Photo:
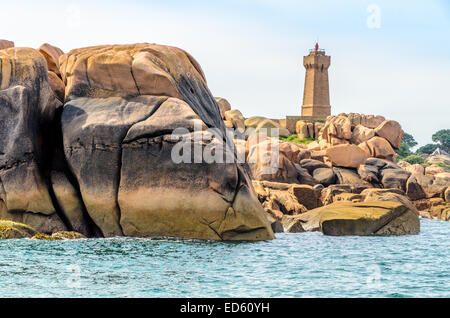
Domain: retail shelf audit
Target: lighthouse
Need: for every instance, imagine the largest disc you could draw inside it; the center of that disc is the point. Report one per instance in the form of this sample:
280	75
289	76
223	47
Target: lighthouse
316	94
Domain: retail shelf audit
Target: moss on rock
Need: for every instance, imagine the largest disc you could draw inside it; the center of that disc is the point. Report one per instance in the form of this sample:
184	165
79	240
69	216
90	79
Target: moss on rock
15	230
66	235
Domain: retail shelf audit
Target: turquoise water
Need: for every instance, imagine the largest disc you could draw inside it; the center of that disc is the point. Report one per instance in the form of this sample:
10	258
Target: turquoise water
294	265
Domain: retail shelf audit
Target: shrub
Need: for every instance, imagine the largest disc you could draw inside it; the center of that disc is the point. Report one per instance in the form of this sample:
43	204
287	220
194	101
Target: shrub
413	159
294	138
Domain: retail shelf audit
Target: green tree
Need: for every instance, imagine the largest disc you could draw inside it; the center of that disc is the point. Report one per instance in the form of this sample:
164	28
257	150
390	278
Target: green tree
409	140
427	149
403	151
443	138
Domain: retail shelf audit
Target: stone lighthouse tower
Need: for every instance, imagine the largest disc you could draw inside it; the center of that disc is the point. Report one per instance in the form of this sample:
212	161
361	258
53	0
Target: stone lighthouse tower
316	96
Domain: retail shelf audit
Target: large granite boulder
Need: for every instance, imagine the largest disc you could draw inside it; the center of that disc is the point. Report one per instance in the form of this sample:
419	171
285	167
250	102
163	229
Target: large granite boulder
396	195
108	163
5	44
363	218
361	134
28	110
51	54
415	168
349	156
395	178
420	186
268	162
379	148
311	165
325	176
224	106
368	121
122	104
349	176
236	118
338	127
391	131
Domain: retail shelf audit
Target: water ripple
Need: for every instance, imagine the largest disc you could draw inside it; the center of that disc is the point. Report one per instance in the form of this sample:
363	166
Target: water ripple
294	265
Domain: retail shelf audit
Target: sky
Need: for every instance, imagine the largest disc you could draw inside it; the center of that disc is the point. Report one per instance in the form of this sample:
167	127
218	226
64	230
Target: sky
389	58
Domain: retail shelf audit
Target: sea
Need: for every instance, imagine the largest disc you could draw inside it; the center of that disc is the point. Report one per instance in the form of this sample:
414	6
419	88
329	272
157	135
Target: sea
292	265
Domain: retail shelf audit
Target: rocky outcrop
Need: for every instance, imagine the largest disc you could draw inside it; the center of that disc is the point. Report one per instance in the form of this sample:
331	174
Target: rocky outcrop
439	159
271	128
106	163
428	188
15	230
224	106
28	108
5	44
378	147
270	159
365	218
349	156
236	118
305	129
51	54
391	131
361	134
58	236
373	134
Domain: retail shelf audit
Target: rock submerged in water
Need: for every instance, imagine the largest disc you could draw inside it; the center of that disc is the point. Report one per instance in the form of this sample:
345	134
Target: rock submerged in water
58	236
363	218
15	230
101	163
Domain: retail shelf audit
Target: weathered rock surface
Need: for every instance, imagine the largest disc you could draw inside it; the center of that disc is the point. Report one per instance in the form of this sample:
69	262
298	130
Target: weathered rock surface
311	165
28	108
395	195
271	128
368	121
236	118
51	54
415	169
154	197
439	159
349	156
349	176
338	127
361	134
365	218
433	170
15	230
108	165
420	186
224	106
379	148
267	162
391	131
324	176
57	86
5	44
395	178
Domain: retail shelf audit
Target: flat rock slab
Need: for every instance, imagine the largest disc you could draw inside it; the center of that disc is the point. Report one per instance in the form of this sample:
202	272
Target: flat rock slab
363	218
